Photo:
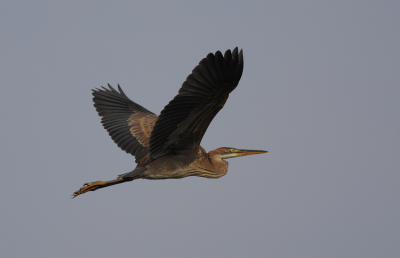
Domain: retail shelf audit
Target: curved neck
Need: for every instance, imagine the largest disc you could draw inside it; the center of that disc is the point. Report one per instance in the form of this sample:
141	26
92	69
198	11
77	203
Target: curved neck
216	166
207	165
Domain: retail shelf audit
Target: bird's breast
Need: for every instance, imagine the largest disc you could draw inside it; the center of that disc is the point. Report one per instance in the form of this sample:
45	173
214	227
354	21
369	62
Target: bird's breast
164	173
164	168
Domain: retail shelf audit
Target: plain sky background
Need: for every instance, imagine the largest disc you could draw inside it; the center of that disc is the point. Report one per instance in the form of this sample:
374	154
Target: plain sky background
320	91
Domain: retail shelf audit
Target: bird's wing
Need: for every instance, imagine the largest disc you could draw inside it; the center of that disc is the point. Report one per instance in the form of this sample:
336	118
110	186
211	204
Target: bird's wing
128	123
183	122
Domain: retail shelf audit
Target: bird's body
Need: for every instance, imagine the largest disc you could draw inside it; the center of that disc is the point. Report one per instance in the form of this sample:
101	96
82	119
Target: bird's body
168	146
175	166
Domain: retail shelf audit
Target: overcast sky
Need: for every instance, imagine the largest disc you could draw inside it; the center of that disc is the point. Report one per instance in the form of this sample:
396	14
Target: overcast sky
320	91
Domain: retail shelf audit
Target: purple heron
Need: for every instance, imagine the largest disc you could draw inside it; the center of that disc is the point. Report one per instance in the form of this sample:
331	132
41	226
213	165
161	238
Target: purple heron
168	145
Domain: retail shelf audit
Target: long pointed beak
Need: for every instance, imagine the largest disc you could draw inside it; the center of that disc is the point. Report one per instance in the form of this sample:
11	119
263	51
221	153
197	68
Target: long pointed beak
248	152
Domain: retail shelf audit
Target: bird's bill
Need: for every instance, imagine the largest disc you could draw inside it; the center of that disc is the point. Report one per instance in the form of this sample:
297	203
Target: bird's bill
248	152
233	153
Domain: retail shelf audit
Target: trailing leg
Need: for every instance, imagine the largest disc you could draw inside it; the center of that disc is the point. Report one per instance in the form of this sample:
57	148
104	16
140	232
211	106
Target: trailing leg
93	186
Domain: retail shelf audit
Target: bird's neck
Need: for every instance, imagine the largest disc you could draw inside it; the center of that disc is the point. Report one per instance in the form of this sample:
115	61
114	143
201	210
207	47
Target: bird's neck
217	166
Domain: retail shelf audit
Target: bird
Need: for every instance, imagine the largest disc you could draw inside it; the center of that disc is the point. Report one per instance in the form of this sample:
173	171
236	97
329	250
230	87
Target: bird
168	146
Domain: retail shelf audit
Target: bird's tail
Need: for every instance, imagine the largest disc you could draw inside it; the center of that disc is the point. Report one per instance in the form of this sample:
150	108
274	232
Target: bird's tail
133	174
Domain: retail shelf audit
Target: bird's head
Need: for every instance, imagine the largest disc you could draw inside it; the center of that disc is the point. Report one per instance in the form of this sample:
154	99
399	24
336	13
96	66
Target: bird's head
227	152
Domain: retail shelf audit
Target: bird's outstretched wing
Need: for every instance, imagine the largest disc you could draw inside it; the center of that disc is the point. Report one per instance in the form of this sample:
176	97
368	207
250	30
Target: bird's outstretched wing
183	122
128	123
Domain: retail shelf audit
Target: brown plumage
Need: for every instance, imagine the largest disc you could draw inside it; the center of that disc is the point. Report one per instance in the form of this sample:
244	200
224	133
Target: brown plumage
168	146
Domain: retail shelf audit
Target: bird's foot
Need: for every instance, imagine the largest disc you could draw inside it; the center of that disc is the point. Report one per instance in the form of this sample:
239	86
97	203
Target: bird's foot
88	187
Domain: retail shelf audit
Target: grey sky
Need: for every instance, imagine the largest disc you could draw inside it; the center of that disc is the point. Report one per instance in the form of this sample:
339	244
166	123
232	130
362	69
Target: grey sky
320	91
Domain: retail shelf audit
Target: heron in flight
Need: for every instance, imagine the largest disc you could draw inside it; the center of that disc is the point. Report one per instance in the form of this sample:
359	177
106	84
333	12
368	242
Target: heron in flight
168	145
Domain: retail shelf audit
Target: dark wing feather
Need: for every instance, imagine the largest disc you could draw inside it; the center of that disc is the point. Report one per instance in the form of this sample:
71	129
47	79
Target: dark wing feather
128	123
183	122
